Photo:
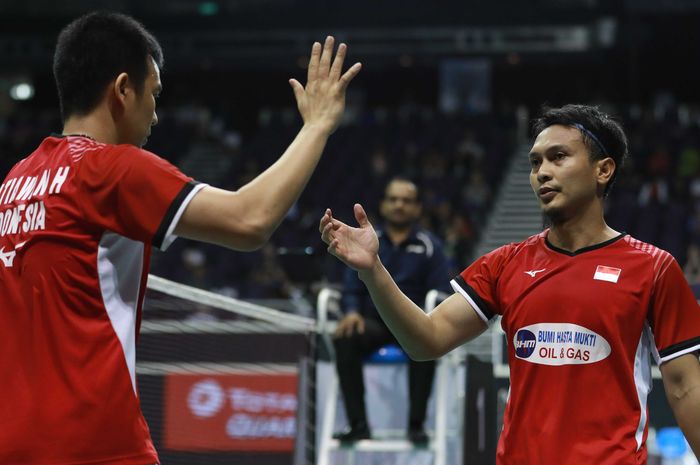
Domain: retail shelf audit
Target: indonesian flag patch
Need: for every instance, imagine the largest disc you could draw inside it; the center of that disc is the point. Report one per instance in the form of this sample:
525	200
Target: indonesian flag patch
607	273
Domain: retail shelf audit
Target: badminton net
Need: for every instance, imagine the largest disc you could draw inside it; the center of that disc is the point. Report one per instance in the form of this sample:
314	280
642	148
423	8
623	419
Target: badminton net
224	381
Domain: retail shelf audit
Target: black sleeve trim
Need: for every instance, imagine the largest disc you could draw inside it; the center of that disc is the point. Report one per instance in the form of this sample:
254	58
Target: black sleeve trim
483	307
681	346
172	211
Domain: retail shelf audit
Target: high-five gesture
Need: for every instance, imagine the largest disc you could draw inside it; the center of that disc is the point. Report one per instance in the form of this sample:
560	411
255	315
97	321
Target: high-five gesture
322	101
356	247
245	220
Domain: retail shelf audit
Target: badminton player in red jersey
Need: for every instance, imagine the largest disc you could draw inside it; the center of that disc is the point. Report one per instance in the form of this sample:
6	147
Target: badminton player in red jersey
78	218
584	309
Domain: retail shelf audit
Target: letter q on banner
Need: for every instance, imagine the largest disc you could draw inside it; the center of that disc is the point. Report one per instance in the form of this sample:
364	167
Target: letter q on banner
233	412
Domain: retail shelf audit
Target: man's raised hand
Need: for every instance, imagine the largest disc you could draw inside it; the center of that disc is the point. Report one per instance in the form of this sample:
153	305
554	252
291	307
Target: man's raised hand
322	101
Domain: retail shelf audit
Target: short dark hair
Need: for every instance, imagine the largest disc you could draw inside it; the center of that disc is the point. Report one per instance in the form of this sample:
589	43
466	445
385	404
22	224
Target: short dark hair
92	51
608	132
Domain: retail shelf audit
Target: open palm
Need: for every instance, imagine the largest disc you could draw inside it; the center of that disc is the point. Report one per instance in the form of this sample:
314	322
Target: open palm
356	247
322	101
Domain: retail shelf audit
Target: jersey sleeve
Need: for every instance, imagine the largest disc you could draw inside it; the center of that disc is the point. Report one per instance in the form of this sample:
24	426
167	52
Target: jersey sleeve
674	315
135	193
478	283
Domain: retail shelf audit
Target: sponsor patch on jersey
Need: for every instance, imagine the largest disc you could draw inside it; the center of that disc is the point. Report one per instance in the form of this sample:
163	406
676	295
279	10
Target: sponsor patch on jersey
559	344
607	273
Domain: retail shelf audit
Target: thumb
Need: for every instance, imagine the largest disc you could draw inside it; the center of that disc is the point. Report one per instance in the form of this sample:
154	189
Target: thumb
297	88
361	216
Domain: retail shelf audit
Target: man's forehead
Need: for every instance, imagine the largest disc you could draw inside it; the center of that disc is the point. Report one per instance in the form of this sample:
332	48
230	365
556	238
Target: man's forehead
556	135
401	187
153	69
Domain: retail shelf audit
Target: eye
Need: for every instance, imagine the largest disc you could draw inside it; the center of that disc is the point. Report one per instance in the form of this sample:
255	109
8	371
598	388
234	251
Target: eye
559	155
534	162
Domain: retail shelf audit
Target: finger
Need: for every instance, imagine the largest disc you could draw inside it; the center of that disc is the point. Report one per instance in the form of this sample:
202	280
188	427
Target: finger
361	216
333	248
312	72
325	61
324	220
349	75
326	233
361	327
337	66
297	88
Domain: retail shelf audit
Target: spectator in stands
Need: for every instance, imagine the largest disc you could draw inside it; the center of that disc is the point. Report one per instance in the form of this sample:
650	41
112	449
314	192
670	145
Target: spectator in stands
415	258
268	279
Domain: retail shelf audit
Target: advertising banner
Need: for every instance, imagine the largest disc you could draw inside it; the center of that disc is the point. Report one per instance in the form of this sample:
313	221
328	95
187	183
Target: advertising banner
232	412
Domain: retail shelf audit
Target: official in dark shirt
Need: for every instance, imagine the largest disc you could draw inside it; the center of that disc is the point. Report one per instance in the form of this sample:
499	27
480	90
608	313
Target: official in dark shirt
415	259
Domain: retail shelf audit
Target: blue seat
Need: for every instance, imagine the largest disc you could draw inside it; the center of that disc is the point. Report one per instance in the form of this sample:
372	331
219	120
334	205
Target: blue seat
388	354
671	442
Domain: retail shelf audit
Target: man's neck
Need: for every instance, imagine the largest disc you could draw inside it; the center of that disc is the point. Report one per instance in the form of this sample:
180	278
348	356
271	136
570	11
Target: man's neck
580	232
397	235
97	125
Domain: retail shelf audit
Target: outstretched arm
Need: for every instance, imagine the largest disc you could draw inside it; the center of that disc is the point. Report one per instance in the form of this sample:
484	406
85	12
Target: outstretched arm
245	219
682	384
422	336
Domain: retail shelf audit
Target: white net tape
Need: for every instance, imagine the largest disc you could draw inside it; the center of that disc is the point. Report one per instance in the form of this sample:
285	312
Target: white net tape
229	304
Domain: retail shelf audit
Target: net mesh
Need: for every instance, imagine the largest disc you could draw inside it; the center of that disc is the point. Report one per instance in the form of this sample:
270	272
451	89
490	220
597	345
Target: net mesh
224	381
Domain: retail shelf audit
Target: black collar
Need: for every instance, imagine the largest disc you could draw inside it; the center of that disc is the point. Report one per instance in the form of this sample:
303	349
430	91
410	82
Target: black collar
584	249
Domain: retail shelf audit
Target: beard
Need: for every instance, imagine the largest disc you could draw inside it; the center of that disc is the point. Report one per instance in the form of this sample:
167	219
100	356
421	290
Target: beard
400	223
553	216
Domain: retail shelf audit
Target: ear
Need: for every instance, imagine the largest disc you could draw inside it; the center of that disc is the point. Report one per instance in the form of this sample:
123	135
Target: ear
605	169
382	207
419	209
121	88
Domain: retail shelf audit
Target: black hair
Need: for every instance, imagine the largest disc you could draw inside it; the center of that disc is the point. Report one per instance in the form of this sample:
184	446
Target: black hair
601	134
92	51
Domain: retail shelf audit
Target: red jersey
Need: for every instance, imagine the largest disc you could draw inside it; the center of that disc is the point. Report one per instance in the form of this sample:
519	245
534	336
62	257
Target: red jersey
77	219
581	329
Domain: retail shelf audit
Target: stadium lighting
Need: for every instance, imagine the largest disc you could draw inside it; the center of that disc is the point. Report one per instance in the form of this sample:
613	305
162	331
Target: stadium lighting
208	8
22	91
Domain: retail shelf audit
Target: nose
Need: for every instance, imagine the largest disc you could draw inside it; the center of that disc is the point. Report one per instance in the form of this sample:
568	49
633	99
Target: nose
543	173
154	121
543	177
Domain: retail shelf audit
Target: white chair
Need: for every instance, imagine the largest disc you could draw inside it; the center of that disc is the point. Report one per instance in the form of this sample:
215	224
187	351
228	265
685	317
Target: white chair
326	302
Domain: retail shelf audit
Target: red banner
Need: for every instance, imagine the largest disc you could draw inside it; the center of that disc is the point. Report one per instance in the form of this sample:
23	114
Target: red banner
255	413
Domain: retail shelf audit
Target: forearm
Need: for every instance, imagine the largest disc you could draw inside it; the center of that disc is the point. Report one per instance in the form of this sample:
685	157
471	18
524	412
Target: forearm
408	322
269	196
685	403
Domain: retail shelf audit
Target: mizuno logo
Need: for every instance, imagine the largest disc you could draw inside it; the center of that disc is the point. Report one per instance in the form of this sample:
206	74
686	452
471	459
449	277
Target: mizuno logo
7	257
533	273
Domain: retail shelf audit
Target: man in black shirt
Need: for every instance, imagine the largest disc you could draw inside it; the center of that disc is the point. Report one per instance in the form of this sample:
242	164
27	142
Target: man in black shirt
415	259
